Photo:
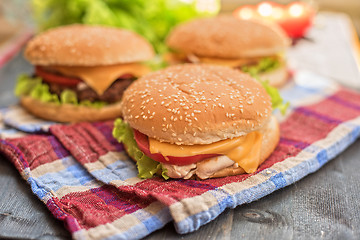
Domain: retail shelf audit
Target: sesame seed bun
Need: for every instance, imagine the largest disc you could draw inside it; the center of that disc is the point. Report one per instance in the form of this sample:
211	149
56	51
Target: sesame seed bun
69	113
228	37
196	104
83	45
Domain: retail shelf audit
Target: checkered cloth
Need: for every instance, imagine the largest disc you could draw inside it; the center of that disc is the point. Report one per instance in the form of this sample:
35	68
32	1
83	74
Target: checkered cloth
86	180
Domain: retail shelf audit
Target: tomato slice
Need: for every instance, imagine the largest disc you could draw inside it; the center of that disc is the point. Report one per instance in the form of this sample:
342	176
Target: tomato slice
143	143
54	78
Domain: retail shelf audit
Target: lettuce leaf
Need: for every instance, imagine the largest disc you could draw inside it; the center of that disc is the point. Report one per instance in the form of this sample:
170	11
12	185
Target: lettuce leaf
146	166
34	87
266	64
276	99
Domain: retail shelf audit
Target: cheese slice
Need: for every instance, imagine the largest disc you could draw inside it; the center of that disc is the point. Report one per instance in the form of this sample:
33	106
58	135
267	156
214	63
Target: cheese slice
99	78
245	150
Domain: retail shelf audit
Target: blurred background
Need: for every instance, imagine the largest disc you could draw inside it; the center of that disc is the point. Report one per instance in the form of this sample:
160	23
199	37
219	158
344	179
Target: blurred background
350	7
19	19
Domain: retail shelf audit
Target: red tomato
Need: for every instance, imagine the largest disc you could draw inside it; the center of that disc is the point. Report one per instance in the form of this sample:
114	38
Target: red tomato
54	78
143	143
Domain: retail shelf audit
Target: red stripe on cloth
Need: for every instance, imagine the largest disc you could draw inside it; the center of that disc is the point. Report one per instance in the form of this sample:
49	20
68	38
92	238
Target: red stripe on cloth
38	150
102	205
168	192
70	221
305	128
106	129
85	142
348	96
336	109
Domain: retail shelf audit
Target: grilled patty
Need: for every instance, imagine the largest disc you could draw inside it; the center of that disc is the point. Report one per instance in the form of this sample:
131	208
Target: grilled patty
83	92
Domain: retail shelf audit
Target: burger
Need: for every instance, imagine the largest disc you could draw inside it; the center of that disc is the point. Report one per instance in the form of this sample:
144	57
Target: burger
255	47
197	121
81	72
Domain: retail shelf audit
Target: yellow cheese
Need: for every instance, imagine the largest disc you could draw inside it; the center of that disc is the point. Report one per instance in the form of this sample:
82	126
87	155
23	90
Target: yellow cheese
245	151
99	78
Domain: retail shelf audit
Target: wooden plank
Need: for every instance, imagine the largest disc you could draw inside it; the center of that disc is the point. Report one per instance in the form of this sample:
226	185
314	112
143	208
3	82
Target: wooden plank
22	215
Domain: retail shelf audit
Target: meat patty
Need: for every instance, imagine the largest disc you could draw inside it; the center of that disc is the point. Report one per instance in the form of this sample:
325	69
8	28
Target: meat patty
83	92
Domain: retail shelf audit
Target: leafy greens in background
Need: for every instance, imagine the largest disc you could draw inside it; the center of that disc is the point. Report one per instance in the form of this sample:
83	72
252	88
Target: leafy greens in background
152	19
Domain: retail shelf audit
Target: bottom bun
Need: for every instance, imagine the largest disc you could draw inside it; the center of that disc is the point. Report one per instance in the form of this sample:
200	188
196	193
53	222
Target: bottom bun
68	113
277	77
271	137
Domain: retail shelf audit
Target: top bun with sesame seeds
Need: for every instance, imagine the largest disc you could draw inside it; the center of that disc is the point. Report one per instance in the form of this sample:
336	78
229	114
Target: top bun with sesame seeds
196	104
83	45
81	72
237	43
198	120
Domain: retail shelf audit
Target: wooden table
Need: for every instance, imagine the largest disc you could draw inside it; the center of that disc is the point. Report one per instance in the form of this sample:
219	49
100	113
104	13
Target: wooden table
323	205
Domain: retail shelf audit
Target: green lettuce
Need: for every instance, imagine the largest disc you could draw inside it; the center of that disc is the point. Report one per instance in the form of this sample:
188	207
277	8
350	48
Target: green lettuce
276	99
266	64
146	166
151	19
34	87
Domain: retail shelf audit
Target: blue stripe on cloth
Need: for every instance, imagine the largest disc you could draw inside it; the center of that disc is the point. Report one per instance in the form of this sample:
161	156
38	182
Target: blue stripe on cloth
298	93
8	131
149	223
322	157
18	118
38	188
278	180
119	170
72	175
275	182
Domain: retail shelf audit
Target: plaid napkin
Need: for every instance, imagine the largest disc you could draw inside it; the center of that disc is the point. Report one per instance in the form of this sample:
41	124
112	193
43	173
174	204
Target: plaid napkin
85	179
